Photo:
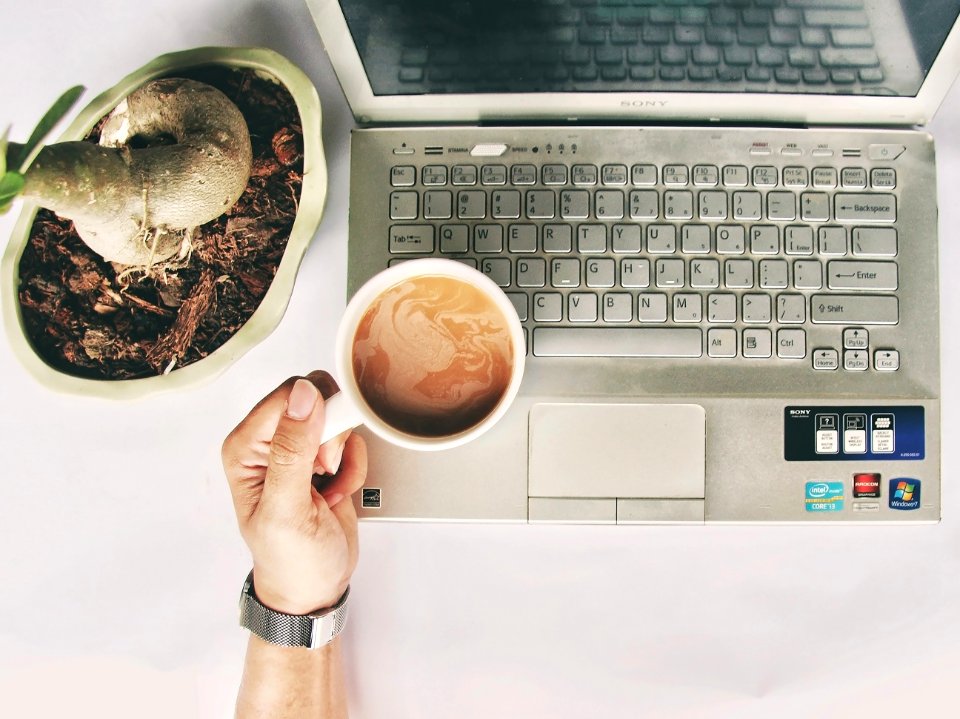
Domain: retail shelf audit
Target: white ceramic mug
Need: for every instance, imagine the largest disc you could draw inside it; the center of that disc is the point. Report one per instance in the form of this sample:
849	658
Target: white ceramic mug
431	342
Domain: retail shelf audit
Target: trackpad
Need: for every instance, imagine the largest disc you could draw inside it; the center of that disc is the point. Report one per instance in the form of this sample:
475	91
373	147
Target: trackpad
617	450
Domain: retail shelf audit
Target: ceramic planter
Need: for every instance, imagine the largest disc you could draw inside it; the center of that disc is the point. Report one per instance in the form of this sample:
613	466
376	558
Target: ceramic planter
265	63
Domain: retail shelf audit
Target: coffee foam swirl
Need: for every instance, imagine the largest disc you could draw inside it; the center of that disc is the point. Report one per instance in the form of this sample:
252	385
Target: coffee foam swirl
432	356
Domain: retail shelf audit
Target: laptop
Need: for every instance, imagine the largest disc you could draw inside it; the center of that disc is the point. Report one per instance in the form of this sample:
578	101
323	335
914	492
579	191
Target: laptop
717	221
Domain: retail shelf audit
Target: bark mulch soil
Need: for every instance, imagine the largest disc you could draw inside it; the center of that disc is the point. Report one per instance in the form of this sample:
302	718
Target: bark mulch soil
85	318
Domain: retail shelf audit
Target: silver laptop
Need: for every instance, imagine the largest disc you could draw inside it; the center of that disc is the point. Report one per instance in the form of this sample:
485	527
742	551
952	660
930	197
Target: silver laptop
717	221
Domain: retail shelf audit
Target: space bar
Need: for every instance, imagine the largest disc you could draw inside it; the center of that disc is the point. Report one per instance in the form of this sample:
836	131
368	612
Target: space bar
617	342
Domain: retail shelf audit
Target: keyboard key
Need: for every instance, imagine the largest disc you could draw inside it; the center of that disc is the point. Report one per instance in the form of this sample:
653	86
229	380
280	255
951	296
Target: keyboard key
407	239
493	175
851	275
731	240
488	238
584	174
643	174
791	309
678	205
404	205
557	238
608	204
505	204
591	239
565	273
554	174
617	307
437	205
704	273
582	307
574	204
522	238
403	176
807	275
791	344
874	242
627	239
471	204
618	342
497	269
464	175
865	207
722	308
644	204
757	343
855	309
541	204
614	175
635	273
669	273
454	239
756	309
434	175
687	308
721	342
600	273
661	239
547	307
531	272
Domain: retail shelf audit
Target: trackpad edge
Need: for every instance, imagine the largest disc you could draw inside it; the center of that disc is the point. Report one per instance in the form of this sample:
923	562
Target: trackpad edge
638	451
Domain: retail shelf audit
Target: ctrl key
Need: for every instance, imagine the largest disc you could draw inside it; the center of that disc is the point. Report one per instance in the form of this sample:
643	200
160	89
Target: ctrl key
411	239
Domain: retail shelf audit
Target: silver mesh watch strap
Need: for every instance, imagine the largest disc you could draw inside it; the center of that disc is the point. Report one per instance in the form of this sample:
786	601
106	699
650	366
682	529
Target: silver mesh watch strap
291	630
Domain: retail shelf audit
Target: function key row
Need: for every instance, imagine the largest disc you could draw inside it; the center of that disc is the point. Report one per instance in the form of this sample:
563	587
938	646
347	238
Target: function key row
645	174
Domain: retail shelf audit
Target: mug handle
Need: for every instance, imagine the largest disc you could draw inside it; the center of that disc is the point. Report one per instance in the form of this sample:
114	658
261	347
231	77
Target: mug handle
341	414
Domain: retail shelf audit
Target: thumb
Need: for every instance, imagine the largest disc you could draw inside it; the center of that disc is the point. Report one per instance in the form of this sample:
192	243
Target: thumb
293	450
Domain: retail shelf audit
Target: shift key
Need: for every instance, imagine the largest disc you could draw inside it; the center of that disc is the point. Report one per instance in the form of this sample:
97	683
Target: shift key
854	309
862	207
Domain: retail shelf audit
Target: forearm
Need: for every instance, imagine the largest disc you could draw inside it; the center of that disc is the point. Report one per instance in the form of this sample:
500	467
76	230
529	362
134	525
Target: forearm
281	682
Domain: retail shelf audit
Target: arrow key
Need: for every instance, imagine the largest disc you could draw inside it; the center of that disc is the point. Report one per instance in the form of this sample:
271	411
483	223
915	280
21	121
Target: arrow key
886	360
856	338
826	359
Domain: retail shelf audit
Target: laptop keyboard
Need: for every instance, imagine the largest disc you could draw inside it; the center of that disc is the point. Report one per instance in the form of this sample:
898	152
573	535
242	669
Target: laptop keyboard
667	259
807	45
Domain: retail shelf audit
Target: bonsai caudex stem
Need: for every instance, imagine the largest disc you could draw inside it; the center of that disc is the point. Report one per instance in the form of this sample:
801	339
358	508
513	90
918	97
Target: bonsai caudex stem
130	204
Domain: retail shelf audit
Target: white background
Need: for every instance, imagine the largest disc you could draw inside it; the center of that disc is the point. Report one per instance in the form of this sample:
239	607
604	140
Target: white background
120	563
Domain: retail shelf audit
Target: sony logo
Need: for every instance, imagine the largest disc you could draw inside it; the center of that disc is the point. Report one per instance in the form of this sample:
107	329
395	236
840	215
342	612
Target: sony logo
643	103
799	412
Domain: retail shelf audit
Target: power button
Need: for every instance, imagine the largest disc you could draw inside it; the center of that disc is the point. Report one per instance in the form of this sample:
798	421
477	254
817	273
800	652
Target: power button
885	151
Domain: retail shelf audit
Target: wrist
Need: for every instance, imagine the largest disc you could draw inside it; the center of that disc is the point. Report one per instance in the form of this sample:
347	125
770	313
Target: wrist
298	604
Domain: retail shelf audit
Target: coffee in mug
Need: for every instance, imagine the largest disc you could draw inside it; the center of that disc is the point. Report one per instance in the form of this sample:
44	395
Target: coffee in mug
429	355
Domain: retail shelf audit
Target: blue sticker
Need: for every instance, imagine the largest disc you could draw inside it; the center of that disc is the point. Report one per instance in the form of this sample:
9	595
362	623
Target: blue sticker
905	493
824	496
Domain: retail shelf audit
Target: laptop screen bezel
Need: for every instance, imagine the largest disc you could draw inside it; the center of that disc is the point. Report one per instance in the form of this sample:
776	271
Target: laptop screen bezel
797	109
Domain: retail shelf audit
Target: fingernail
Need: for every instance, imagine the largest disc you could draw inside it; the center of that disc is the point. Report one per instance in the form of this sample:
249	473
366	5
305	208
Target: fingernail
333	499
335	465
303	398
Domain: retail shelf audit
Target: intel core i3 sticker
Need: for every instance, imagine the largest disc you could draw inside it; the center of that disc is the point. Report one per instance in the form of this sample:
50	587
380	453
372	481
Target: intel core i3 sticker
824	496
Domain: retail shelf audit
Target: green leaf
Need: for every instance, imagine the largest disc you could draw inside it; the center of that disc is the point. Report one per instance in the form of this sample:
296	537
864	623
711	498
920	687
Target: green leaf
3	151
11	183
56	112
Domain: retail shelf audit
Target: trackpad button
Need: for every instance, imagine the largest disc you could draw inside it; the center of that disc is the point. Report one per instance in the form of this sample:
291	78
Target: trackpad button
617	450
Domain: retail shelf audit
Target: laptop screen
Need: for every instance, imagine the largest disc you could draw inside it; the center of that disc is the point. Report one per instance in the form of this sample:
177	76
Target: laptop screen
822	47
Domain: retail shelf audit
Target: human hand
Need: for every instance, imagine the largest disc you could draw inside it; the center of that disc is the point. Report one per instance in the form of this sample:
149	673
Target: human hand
292	496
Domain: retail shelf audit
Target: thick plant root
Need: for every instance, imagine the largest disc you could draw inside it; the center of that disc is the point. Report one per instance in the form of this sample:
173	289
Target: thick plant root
130	204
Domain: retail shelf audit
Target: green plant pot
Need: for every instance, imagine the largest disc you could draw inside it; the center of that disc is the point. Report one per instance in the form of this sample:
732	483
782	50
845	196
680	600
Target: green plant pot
264	320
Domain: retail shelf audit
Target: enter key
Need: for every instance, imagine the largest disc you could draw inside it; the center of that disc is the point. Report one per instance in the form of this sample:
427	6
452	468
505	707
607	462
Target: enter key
848	275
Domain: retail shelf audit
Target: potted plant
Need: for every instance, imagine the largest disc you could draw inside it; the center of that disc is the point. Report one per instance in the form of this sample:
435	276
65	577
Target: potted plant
152	274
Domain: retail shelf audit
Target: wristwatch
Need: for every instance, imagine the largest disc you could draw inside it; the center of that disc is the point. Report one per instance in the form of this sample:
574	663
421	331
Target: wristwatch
291	630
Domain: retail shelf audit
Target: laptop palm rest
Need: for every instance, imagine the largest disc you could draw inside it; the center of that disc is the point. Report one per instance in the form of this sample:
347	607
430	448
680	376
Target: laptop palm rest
622	451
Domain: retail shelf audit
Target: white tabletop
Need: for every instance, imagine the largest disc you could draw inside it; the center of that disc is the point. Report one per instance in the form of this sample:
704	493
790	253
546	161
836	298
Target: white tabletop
121	564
